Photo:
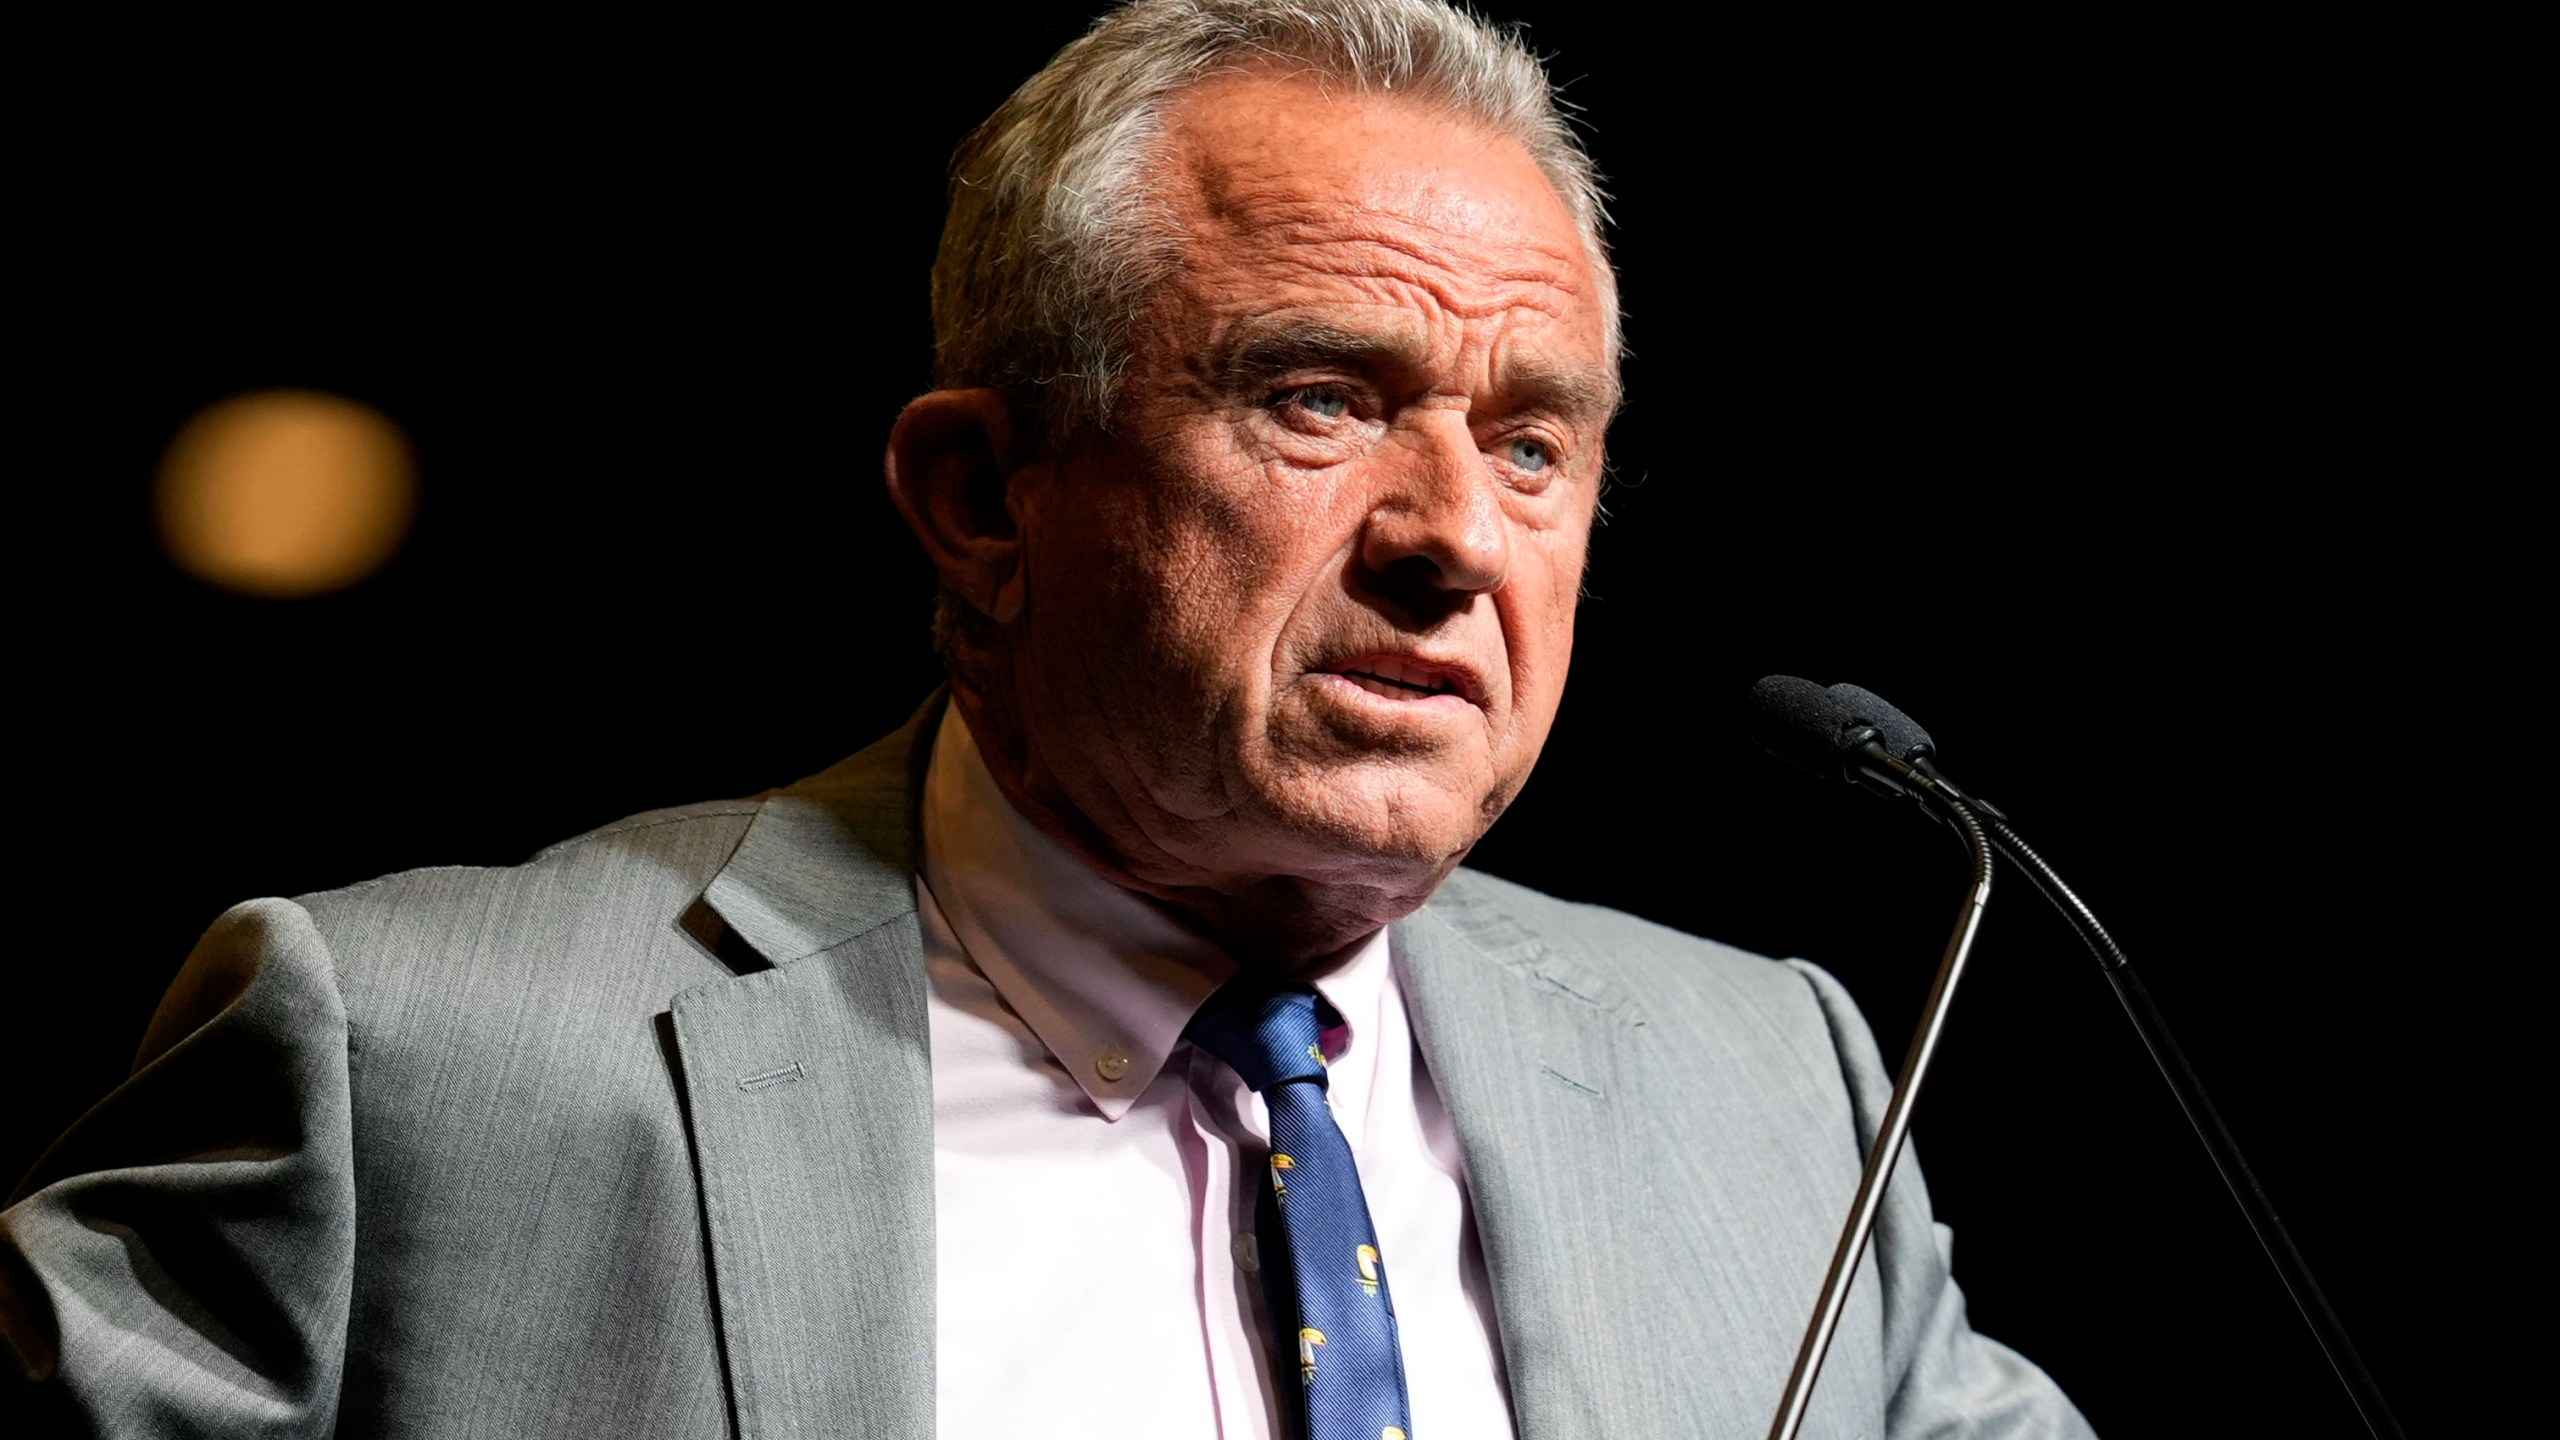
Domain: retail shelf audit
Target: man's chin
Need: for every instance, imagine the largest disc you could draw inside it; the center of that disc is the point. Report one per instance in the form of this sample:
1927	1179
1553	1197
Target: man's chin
1316	860
1374	823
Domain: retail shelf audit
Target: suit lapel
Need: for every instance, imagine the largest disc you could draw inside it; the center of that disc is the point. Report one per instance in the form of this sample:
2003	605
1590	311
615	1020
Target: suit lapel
809	1090
1654	1222
1526	1056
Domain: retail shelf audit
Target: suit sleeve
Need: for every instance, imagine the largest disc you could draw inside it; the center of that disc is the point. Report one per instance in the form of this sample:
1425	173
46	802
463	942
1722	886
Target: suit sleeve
1949	1381
180	1262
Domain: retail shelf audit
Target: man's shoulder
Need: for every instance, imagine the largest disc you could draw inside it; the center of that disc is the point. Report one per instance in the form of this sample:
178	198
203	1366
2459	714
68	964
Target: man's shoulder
1685	989
644	901
1649	958
626	865
605	907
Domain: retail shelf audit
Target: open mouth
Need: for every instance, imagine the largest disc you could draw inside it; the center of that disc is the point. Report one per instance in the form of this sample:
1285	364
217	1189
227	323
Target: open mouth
1401	679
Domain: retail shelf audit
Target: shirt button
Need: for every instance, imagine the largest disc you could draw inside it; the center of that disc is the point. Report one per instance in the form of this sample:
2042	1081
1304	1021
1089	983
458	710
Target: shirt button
1248	1255
1113	1064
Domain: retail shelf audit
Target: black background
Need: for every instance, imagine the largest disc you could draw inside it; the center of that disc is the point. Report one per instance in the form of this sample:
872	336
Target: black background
2106	392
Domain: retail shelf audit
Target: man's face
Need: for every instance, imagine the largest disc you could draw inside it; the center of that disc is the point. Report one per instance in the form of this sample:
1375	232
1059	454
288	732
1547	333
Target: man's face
1306	610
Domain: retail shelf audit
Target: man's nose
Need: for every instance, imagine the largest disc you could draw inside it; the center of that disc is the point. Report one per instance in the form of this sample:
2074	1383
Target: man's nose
1436	525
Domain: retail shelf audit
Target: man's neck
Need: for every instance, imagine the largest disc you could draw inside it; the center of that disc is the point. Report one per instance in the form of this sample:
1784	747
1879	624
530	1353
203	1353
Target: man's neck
1281	923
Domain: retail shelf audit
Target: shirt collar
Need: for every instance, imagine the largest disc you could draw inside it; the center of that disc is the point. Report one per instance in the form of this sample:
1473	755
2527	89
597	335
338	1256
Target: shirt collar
1104	978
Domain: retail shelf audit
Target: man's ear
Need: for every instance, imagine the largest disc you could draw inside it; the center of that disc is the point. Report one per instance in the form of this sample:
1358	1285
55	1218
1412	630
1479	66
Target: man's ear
951	455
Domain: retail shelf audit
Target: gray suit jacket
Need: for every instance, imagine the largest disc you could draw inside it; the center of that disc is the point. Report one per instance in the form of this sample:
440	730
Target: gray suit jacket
637	1139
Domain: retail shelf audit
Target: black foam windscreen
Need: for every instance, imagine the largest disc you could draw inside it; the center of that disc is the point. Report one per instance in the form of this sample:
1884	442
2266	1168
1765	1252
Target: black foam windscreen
1900	733
1800	723
1822	729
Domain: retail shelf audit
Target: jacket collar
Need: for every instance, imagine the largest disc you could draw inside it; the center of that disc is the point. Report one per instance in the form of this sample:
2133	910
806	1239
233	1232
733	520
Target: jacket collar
831	856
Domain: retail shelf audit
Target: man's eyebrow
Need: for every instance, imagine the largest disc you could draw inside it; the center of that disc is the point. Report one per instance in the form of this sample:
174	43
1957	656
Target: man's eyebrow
1574	394
1263	348
1259	349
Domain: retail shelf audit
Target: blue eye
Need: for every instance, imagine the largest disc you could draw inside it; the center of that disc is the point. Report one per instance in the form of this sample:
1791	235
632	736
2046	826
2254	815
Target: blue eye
1527	454
1322	401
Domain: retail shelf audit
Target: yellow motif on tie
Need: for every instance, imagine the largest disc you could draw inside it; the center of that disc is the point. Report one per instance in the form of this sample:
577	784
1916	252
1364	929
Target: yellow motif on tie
1308	1339
1279	1189
1391	1433
1316	1053
1368	1269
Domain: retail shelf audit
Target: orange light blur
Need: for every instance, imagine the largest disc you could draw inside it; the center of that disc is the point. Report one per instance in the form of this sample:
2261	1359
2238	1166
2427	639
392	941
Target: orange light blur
286	493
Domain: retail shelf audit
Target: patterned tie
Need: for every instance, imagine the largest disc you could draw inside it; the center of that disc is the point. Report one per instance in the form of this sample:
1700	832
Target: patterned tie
1321	1275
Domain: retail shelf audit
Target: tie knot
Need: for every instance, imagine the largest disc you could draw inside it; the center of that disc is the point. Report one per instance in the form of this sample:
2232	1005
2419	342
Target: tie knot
1266	1031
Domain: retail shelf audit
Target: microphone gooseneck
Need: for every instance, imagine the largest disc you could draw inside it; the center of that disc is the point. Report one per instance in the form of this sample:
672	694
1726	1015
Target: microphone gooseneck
1851	734
2183	1082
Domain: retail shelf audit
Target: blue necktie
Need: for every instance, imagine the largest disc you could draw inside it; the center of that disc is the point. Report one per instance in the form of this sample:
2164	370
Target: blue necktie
1331	1316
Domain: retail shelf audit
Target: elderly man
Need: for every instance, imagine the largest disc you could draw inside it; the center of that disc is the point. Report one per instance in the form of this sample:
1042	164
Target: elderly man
1119	1049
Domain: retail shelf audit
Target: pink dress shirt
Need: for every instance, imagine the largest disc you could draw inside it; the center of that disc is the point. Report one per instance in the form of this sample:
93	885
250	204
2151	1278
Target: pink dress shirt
1095	1253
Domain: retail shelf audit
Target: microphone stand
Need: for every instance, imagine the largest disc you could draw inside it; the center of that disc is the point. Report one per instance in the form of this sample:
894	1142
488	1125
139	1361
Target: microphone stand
1887	771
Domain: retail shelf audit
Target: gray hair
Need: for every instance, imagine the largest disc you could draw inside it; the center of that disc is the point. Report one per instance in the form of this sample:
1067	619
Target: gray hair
1055	237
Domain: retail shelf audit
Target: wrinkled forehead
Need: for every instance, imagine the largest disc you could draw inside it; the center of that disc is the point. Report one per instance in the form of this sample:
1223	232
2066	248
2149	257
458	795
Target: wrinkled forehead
1260	174
1219	135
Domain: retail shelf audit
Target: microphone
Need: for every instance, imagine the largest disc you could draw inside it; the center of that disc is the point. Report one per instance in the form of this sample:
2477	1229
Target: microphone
1841	732
1822	728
